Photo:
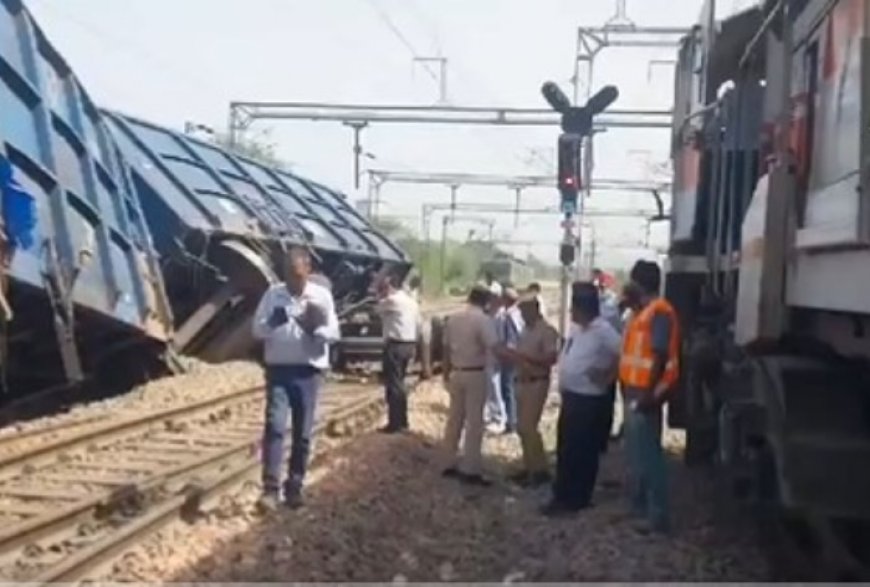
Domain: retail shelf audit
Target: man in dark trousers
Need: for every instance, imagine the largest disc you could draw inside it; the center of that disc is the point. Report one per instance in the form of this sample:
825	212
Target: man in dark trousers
587	367
296	320
400	320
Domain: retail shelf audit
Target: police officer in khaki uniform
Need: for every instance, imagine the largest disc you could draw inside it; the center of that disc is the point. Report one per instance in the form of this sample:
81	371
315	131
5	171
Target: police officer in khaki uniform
470	338
536	352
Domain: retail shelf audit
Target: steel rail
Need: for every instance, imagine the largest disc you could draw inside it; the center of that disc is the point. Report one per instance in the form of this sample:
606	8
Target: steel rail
77	566
10	465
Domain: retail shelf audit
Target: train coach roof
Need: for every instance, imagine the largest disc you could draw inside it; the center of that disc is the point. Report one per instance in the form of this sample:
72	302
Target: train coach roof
214	190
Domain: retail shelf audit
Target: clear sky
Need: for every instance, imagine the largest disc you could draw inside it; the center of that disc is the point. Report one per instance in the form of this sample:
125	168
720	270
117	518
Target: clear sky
174	61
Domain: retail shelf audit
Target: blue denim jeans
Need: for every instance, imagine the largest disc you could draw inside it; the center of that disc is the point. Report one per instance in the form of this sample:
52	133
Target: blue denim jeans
294	390
494	412
647	467
509	396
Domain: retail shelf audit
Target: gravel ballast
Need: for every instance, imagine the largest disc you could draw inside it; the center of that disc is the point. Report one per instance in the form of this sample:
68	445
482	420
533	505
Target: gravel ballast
378	510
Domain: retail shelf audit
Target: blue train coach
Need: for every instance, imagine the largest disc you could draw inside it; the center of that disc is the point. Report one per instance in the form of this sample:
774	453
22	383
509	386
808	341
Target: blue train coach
80	280
219	220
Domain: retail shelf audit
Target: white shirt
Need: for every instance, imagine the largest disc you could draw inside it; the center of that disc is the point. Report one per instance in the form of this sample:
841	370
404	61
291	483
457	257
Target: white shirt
595	347
400	316
609	308
513	316
288	344
495	324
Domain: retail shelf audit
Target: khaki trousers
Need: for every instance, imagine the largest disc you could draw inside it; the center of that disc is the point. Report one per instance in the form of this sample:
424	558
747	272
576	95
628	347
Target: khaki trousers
531	397
467	397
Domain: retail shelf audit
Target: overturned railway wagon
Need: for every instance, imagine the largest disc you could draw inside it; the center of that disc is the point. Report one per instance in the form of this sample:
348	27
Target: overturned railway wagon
219	220
125	239
81	283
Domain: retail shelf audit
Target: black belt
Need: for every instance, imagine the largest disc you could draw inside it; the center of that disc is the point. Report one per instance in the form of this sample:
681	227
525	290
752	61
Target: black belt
468	369
533	379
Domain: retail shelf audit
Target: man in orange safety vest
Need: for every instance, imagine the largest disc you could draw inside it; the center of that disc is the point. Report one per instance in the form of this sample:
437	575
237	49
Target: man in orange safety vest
648	372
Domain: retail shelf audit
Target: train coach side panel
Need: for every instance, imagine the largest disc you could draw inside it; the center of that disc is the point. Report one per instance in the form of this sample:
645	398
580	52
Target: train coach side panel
68	209
219	221
212	190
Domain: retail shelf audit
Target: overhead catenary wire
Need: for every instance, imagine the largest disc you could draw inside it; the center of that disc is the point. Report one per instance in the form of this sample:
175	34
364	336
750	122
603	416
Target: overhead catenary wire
397	32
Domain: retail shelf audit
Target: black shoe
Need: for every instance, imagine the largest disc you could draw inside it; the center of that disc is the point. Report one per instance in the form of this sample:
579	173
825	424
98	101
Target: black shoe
476	480
452	473
388	429
522	478
294	500
556	509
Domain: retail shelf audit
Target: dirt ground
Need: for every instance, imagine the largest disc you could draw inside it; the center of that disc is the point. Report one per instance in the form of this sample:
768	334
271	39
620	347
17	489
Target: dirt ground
378	510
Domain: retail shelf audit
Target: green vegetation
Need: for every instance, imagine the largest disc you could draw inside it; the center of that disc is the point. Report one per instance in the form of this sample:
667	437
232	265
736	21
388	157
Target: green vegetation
462	261
257	148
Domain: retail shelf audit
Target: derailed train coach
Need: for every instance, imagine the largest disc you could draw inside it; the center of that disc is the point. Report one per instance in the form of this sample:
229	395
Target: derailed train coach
81	283
219	222
124	242
769	264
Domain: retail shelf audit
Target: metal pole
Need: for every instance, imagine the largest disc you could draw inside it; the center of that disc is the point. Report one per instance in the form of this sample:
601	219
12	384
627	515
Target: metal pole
443	270
565	284
453	192
443	86
519	193
377	202
370	204
357	149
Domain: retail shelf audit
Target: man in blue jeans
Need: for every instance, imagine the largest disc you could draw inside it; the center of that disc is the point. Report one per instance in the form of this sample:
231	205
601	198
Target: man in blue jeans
296	320
510	326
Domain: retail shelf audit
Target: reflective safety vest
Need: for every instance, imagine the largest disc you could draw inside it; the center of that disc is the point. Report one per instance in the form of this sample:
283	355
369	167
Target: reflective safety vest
636	360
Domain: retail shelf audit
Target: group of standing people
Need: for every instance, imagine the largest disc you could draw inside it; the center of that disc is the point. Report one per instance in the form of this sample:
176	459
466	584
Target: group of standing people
633	341
499	354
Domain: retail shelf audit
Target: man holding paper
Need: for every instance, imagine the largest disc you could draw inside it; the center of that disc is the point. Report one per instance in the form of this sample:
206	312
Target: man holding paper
296	320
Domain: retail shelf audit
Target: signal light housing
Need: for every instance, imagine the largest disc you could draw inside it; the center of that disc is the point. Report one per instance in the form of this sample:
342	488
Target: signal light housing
569	166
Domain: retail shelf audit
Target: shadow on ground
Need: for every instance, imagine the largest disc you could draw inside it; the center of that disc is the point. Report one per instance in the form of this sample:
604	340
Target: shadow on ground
382	512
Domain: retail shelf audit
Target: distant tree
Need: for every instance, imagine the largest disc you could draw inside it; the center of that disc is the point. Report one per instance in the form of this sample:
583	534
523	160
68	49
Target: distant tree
259	149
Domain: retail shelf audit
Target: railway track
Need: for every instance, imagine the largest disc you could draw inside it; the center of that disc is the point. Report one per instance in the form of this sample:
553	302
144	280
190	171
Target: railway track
70	504
75	494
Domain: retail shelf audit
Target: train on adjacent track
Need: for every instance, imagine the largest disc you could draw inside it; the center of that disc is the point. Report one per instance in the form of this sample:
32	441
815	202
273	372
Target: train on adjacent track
507	269
126	244
769	263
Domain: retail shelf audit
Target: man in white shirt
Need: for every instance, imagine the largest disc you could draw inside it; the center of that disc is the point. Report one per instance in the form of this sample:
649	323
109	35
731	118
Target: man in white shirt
400	320
494	286
296	320
587	366
610	311
495	415
510	327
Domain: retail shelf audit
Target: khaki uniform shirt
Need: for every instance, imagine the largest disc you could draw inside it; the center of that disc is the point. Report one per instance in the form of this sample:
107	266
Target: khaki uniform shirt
469	338
539	341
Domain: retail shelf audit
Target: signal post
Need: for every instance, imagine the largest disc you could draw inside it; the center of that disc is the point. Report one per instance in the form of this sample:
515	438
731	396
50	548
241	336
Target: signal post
576	128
